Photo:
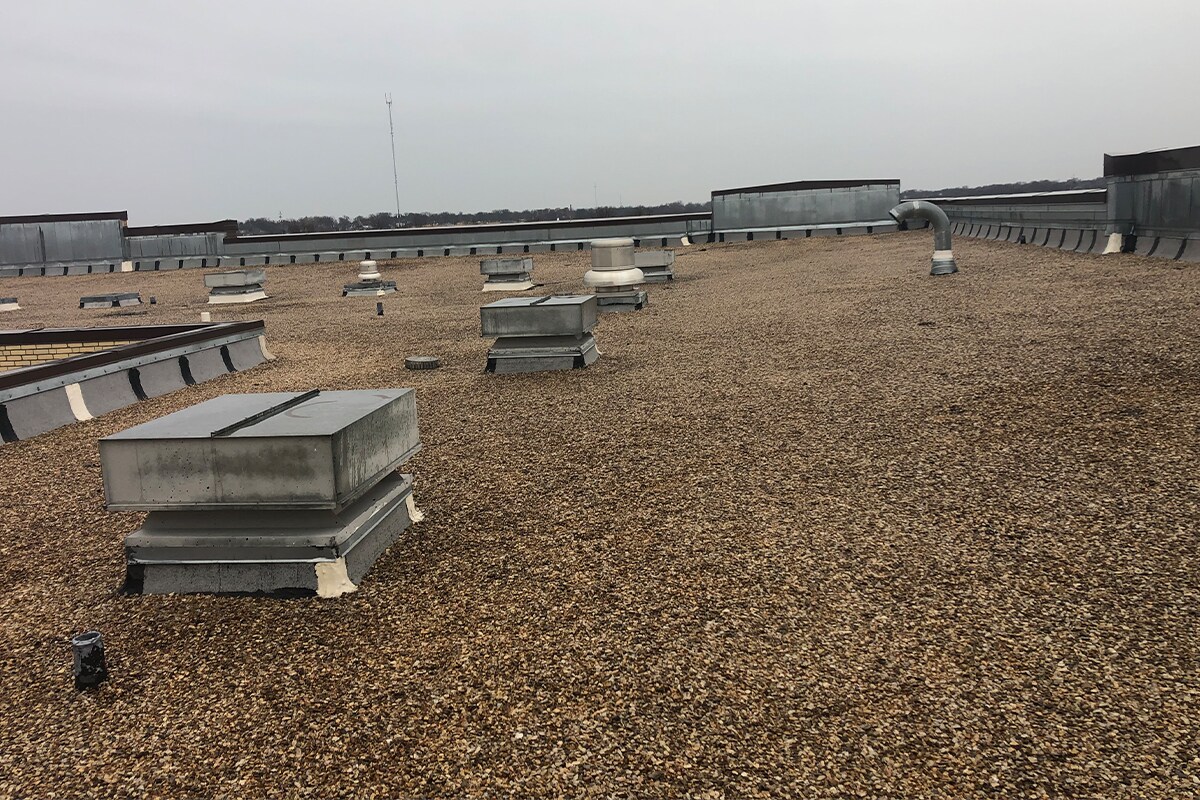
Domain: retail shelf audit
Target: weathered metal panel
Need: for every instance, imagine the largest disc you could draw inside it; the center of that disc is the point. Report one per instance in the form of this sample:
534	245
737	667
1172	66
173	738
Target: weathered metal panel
177	245
572	315
1157	204
800	206
59	242
256	451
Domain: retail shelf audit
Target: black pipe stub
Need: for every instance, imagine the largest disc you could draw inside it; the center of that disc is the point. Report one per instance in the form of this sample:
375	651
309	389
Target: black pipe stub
422	362
87	651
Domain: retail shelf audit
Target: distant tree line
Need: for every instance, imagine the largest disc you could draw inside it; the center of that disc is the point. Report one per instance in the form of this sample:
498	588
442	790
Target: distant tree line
1007	188
418	219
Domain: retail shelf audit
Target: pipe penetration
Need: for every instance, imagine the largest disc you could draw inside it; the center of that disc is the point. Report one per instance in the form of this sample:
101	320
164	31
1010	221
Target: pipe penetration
943	255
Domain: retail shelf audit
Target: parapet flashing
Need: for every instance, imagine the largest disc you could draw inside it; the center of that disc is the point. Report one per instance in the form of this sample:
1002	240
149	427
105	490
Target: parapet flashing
1098	195
92	216
792	186
1151	161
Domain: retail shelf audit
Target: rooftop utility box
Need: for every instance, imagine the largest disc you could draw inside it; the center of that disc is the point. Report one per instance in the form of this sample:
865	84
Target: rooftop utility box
657	266
536	334
614	277
276	492
110	300
370	282
557	315
241	277
507	274
321	453
237	286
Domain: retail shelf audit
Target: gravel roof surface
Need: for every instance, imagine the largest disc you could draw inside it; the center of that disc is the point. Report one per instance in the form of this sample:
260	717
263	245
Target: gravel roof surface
815	524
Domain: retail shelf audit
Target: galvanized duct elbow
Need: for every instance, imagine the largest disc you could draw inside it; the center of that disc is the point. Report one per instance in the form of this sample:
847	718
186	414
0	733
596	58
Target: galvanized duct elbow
943	257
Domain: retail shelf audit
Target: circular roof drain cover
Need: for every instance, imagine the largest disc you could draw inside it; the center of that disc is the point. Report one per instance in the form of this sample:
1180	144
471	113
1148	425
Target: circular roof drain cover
422	362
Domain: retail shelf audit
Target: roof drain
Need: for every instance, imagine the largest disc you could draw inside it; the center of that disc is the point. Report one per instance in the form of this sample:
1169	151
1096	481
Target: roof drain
943	256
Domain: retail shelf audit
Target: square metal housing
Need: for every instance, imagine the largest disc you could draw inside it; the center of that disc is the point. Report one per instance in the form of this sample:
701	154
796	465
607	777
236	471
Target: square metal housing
321	453
557	315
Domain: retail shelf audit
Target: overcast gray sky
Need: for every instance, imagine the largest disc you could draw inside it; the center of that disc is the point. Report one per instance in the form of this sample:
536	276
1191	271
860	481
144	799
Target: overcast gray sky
183	112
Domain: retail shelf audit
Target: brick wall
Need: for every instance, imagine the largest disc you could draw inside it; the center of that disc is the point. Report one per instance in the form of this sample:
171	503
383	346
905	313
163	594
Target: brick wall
27	355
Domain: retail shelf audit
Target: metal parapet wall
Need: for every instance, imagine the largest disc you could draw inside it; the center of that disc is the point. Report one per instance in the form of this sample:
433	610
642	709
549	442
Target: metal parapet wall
156	360
799	204
1148	208
459	240
1150	201
996	216
1154	195
801	232
53	270
217	245
1079	240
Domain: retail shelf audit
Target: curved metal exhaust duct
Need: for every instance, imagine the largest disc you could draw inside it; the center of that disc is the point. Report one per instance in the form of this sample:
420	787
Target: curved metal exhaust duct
943	257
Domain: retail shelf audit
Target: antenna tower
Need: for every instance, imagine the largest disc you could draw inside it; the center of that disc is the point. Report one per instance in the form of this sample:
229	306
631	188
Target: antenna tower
387	98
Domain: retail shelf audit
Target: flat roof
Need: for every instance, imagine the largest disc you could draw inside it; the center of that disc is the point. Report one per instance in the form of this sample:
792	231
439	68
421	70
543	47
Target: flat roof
810	493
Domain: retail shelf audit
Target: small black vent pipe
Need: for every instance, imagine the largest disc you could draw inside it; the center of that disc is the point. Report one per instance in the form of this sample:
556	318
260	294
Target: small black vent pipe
87	651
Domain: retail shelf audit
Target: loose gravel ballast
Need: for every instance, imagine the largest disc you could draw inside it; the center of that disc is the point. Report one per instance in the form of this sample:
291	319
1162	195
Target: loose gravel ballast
817	524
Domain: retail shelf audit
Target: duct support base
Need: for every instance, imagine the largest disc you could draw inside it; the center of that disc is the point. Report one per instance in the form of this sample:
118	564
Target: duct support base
284	553
943	263
513	354
1116	244
112	304
368	289
658	274
634	300
507	286
9	304
236	297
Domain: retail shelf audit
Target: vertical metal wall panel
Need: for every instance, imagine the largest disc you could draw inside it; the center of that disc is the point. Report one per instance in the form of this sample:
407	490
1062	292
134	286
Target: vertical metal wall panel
59	242
1154	194
177	245
792	207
